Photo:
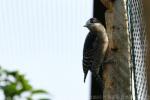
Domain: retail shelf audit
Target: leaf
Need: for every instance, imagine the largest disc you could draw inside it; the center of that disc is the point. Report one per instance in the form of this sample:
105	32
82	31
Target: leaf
10	90
18	86
39	91
29	98
25	83
13	73
44	99
26	86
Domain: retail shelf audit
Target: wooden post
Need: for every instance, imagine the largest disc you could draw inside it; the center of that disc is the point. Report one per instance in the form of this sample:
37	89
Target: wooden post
117	75
146	6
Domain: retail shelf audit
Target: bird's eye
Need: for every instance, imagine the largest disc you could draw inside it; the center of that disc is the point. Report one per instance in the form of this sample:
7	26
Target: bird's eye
93	20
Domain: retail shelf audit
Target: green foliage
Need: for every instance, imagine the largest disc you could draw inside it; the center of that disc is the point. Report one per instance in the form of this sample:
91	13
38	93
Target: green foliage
12	83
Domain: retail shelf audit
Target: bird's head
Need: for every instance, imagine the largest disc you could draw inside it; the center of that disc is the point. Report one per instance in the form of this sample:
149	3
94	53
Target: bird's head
93	24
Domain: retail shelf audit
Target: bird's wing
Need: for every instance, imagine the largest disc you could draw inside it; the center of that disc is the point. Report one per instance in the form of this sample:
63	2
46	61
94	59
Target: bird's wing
88	52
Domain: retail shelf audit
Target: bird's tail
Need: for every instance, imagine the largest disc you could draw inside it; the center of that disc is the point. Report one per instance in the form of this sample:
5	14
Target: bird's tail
85	75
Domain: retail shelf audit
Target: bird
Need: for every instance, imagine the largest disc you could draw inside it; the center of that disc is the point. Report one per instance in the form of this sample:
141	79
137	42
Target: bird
95	47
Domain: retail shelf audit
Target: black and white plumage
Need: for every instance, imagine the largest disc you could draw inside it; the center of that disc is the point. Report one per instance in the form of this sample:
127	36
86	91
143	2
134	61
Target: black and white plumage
95	47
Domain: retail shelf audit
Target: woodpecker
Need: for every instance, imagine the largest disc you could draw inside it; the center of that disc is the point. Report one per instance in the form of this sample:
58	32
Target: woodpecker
95	47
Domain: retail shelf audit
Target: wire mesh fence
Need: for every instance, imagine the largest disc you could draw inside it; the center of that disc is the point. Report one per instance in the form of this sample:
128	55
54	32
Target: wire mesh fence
138	47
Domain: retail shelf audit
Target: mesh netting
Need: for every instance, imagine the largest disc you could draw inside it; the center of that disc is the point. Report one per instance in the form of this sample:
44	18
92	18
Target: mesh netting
138	41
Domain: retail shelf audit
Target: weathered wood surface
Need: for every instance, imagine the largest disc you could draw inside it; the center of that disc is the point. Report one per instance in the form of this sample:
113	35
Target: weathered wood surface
117	75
